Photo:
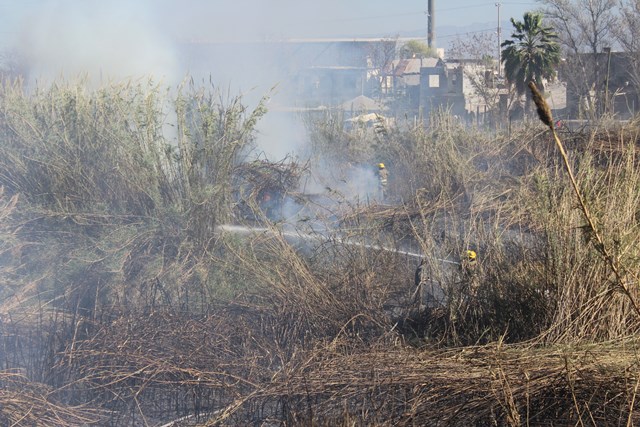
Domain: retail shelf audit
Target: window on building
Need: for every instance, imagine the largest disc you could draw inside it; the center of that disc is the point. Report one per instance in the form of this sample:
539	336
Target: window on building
434	80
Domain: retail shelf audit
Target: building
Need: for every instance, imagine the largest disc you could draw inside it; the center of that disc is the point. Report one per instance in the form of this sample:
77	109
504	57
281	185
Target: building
607	85
331	73
441	87
404	79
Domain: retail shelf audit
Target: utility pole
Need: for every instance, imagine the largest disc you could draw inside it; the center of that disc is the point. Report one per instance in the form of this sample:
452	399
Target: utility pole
498	4
431	31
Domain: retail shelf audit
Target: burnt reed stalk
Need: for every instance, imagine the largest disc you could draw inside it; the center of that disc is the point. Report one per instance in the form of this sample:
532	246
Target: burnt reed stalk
544	113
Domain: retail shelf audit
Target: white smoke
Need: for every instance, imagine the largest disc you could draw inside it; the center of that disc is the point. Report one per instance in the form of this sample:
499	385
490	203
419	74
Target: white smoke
225	44
281	135
347	182
102	41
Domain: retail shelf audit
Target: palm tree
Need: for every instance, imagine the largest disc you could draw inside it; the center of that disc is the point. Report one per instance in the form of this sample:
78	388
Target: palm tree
531	55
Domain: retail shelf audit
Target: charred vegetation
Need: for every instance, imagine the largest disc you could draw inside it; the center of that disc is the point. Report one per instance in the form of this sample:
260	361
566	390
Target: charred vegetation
146	279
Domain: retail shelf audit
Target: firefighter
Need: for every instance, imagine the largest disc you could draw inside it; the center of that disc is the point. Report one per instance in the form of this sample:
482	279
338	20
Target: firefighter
464	294
469	272
472	257
383	175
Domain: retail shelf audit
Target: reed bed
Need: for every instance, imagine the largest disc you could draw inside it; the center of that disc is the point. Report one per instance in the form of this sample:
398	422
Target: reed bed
124	301
24	402
511	385
345	379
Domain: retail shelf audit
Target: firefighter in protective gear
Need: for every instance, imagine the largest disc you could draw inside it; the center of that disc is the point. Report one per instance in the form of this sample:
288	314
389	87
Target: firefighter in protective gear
383	175
469	272
471	256
464	295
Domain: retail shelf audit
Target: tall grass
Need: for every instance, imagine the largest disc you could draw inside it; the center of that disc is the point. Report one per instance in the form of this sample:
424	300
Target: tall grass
119	290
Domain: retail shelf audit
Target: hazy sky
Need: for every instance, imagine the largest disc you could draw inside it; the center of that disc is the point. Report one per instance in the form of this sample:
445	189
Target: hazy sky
125	38
262	19
115	39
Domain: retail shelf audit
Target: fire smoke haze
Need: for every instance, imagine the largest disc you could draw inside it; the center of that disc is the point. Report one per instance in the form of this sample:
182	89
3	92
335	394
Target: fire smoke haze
98	40
106	41
125	38
121	38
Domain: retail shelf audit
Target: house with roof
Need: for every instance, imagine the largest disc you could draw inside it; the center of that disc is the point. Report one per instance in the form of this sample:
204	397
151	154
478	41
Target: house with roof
326	72
404	78
441	86
428	84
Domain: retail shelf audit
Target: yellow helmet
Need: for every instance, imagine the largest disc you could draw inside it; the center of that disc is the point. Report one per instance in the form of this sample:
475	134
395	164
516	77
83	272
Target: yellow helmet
471	255
380	165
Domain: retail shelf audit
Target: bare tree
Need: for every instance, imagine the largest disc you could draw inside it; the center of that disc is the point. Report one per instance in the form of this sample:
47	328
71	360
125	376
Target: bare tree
627	34
477	55
380	57
584	28
475	46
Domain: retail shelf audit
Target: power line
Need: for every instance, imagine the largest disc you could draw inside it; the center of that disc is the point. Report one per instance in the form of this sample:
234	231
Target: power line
422	12
488	30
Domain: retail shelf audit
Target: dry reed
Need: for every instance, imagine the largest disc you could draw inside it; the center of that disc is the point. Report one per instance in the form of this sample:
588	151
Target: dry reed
139	306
